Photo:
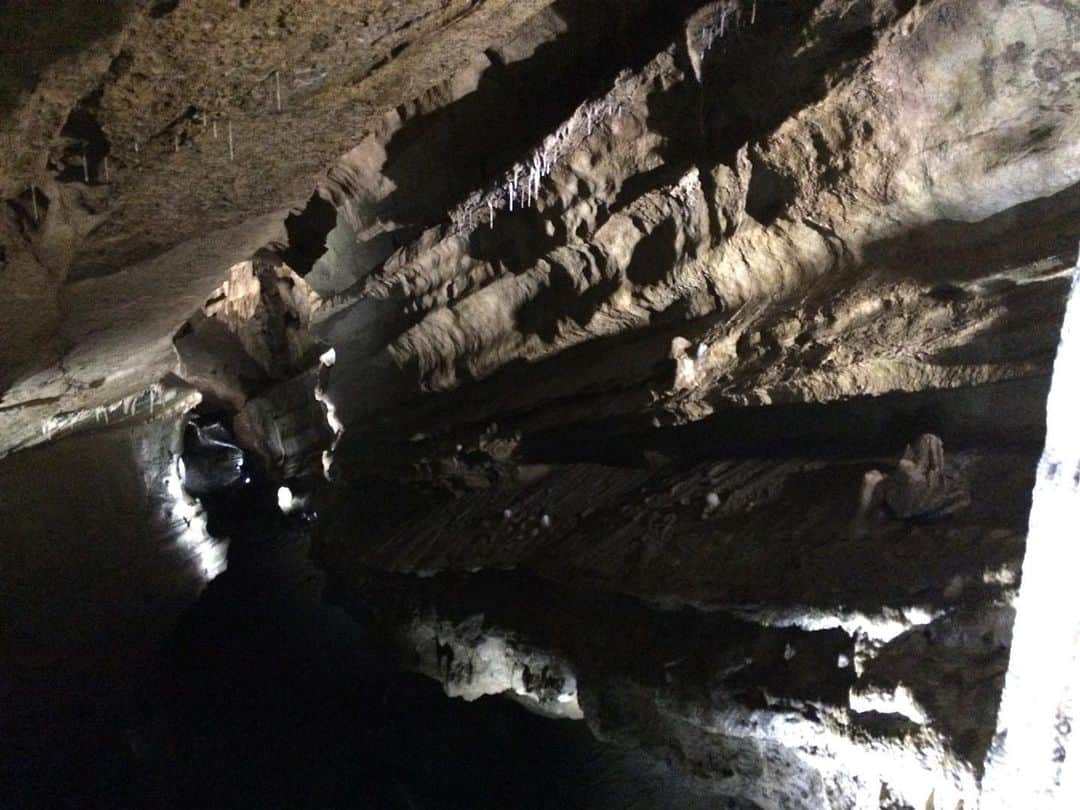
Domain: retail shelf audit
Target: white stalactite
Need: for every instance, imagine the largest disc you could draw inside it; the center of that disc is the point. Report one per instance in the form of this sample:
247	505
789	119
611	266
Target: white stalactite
510	190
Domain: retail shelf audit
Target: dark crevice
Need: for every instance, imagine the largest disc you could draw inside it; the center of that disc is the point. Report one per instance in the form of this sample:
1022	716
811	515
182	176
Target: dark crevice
962	417
654	255
161	8
86	144
307	231
770	193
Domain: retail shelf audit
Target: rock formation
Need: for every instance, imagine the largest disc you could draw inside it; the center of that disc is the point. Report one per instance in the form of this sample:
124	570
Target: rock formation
587	325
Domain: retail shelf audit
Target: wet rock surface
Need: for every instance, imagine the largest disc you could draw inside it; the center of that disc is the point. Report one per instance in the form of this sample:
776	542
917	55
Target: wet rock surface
720	612
258	694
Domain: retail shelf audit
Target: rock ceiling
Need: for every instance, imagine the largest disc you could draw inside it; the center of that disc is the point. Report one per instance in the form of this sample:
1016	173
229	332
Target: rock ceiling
738	204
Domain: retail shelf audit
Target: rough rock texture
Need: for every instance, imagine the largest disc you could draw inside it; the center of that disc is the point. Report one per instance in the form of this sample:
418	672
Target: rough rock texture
825	202
145	94
760	639
651	286
741	240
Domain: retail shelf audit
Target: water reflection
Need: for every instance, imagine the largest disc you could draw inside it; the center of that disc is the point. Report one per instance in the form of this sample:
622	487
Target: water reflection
209	553
261	695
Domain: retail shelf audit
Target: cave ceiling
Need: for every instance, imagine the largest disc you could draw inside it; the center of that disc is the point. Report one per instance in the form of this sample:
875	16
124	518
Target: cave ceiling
715	204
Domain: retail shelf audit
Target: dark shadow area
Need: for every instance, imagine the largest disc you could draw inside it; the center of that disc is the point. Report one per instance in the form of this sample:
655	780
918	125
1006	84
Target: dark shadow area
612	635
1028	330
540	315
30	208
435	160
782	538
769	194
271	700
307	231
87	146
654	255
161	8
757	77
641	184
35	33
753	79
958	251
579	379
1005	414
265	696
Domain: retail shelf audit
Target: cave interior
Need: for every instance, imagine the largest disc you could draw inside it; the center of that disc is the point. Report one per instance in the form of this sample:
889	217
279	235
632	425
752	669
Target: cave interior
539	404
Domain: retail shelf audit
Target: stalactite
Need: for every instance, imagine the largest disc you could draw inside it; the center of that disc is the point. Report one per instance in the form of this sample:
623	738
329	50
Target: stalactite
541	162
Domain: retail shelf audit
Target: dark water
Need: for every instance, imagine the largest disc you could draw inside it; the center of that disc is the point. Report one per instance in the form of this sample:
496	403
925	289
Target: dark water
261	694
265	697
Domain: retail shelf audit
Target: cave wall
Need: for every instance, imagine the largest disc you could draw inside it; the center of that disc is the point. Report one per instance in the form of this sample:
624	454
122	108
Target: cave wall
623	297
